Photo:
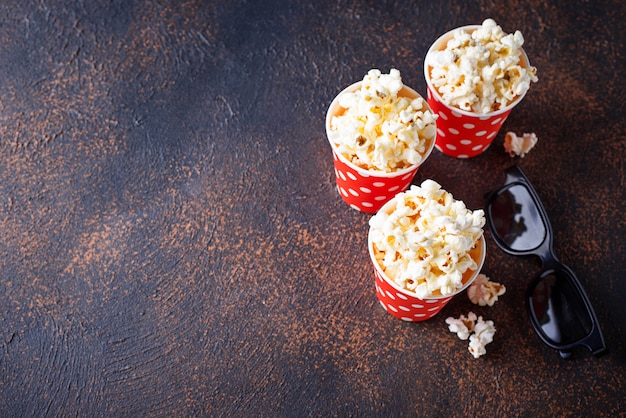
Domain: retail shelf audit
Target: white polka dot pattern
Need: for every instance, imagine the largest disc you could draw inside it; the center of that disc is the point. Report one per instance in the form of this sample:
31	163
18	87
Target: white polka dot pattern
361	189
403	305
460	135
368	192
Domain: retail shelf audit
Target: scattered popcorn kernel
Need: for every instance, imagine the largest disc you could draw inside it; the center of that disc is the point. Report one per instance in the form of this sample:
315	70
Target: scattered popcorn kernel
428	243
476	348
483	335
516	145
462	326
479	332
484	292
381	130
481	71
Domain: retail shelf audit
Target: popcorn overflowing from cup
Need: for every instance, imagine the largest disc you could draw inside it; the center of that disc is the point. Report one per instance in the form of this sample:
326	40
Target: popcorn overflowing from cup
481	71
425	243
380	129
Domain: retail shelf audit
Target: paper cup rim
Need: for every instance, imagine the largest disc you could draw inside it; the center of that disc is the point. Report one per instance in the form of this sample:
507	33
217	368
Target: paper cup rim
434	91
370	248
374	173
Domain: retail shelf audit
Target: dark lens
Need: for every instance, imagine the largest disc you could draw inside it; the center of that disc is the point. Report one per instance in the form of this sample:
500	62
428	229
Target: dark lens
516	220
559	310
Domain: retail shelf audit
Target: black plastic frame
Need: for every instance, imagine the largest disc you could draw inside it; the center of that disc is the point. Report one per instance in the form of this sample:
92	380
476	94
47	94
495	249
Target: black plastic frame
594	340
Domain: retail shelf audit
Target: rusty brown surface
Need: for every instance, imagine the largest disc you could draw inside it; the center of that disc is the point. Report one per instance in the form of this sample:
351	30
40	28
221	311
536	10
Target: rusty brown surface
172	243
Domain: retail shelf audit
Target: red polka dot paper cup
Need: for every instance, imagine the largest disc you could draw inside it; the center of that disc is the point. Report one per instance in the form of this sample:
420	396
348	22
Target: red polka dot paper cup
404	304
368	190
460	133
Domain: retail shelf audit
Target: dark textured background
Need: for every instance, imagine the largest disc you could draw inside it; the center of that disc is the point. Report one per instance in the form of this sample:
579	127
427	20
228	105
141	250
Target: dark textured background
172	243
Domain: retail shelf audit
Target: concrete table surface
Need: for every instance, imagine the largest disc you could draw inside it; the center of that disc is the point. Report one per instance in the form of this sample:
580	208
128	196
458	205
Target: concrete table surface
172	242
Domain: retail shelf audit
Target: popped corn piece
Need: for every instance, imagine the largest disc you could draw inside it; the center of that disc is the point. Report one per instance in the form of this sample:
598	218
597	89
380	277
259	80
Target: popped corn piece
462	326
476	347
519	146
381	130
481	71
426	243
479	332
484	292
483	335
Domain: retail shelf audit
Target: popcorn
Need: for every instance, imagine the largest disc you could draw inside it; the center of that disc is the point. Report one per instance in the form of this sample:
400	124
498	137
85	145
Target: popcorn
519	146
462	326
483	335
427	242
482	332
484	292
481	71
381	130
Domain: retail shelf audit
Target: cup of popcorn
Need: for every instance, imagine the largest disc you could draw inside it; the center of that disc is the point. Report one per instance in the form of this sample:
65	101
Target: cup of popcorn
475	76
426	247
381	132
